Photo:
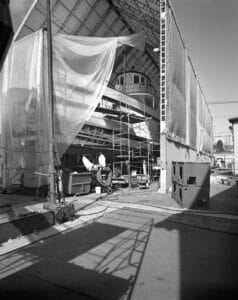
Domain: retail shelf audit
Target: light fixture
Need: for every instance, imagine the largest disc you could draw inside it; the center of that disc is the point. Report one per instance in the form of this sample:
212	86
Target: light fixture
156	49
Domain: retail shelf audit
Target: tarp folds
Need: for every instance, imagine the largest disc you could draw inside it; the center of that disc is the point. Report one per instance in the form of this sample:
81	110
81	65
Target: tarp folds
189	121
192	104
24	112
208	123
82	67
176	83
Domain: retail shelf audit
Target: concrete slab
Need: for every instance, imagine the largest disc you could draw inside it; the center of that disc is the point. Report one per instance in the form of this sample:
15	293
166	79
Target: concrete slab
224	204
125	254
21	210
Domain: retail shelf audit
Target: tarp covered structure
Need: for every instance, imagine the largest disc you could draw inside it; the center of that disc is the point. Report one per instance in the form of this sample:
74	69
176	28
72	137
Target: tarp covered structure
82	67
189	121
192	106
176	82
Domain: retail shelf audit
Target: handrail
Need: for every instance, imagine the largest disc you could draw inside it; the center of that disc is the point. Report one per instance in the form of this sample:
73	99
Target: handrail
129	101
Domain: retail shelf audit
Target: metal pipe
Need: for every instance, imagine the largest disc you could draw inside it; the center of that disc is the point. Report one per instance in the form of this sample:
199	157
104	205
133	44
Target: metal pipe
148	158
129	149
51	105
113	152
24	20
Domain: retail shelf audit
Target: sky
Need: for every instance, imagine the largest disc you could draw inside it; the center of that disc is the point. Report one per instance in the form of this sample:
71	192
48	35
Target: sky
210	32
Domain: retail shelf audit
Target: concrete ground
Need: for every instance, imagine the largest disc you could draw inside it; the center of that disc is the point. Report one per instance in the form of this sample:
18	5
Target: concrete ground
223	199
125	253
132	244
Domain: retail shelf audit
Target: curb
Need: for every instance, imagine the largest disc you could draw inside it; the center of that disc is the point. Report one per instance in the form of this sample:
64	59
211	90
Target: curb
13	245
212	221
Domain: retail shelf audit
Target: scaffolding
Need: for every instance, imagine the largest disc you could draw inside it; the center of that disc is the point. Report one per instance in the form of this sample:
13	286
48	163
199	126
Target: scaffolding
131	152
127	144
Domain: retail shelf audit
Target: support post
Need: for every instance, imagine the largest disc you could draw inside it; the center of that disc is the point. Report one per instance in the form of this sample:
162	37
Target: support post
113	153
148	159
234	122
163	99
51	106
124	67
148	149
129	149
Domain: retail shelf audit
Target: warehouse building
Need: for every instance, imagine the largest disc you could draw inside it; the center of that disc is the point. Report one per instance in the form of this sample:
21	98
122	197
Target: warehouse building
152	110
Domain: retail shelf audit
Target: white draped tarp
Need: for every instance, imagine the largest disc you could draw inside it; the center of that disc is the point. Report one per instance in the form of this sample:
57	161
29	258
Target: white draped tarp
24	112
82	67
208	131
176	82
192	104
201	120
189	121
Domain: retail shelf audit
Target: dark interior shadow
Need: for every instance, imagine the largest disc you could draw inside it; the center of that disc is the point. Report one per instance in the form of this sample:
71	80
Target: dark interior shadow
208	261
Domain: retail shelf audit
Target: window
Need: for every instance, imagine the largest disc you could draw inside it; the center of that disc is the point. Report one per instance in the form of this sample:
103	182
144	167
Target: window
122	80
143	80
136	79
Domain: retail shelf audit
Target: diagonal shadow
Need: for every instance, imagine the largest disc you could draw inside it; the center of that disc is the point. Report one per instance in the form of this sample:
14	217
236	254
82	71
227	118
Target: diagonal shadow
98	261
225	201
208	261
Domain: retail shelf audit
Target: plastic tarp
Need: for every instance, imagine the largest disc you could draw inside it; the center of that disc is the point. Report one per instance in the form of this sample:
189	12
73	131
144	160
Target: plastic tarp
207	143
189	121
176	82
201	120
192	87
24	109
201	105
82	67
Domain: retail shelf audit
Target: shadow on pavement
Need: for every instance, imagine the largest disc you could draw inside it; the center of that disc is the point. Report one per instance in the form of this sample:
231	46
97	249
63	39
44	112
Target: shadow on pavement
97	261
25	225
225	199
126	254
208	261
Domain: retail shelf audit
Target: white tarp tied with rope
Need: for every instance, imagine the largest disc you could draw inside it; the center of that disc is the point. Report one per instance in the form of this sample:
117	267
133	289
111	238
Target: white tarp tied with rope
82	67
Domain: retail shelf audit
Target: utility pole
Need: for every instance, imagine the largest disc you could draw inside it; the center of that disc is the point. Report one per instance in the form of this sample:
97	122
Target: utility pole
51	106
148	148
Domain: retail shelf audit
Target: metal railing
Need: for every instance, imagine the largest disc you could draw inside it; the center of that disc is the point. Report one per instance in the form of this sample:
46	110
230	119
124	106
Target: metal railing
135	88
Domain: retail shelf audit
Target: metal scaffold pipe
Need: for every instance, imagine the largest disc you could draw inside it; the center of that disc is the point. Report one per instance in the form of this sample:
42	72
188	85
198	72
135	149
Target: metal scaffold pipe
51	105
129	149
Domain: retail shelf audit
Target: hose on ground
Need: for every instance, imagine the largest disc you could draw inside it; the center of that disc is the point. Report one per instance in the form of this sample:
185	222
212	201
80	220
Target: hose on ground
103	182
